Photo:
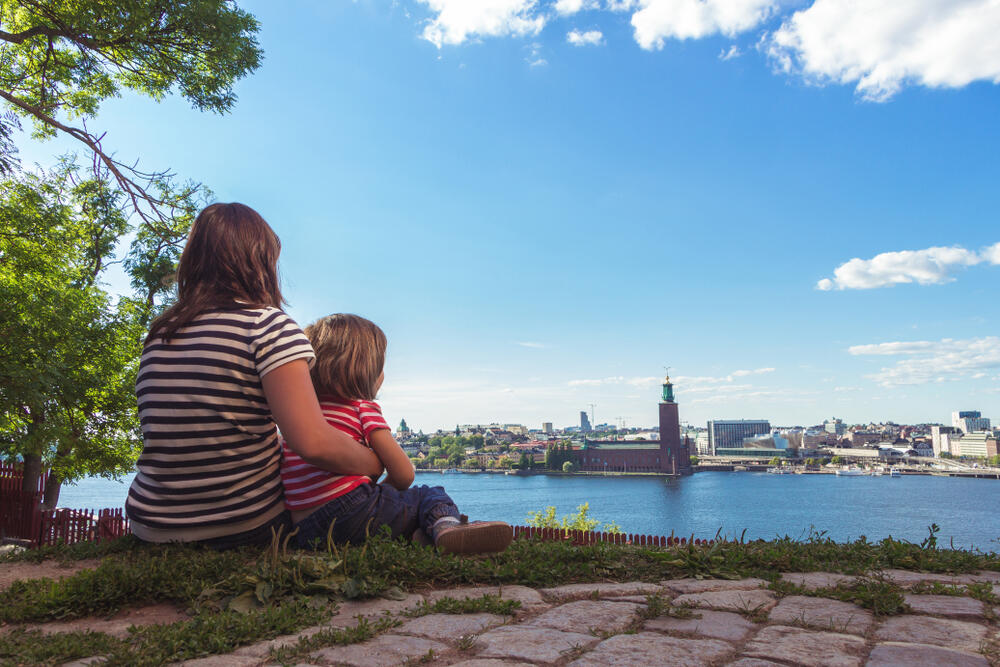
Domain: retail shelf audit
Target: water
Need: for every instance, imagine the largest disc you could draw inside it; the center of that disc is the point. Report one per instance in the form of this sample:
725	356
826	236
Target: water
765	505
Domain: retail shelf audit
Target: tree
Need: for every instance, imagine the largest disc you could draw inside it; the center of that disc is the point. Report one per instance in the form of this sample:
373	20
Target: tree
837	460
579	521
694	460
69	352
63	59
569	466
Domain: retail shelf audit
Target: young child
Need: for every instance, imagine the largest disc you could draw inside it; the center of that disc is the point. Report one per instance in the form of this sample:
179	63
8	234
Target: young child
350	355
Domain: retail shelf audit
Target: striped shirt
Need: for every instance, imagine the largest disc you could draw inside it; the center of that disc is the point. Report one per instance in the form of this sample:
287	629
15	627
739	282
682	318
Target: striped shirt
210	459
306	485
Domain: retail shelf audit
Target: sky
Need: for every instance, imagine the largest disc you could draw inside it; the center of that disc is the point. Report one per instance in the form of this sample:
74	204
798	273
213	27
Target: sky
545	204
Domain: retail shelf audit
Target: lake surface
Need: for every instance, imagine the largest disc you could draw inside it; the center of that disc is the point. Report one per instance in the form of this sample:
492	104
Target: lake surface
765	505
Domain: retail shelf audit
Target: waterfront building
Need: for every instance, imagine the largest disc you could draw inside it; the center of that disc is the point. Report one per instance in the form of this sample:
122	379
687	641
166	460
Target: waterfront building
980	444
834	426
944	440
547	428
670	454
970	421
862	438
729	433
584	422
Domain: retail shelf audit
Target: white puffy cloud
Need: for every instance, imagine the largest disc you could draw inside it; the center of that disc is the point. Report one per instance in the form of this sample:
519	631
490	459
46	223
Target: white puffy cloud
456	21
569	7
931	266
591	37
881	46
730	53
659	20
934	361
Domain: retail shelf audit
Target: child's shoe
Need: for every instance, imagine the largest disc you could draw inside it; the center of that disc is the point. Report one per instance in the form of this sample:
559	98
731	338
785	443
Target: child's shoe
478	537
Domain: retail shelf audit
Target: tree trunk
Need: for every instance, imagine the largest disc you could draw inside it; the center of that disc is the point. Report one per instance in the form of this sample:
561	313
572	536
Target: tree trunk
52	486
32	471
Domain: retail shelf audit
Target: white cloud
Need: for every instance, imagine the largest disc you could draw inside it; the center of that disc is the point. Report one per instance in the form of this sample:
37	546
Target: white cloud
881	46
931	266
732	52
702	379
531	344
934	361
659	20
569	7
457	21
591	37
619	379
620	5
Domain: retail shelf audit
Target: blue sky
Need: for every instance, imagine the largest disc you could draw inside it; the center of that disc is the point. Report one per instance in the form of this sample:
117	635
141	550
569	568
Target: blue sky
545	203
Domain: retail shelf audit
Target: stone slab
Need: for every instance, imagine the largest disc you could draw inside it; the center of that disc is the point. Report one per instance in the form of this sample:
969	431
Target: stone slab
600	590
714	624
685	586
529	598
263	649
907	578
898	654
490	662
532	644
814	580
951	606
588	615
648	648
449	627
754	662
945	632
738	600
119	624
349	611
823	614
806	647
383	651
222	661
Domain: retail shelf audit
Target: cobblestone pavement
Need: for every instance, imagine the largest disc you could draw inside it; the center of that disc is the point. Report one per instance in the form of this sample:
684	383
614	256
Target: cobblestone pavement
737	623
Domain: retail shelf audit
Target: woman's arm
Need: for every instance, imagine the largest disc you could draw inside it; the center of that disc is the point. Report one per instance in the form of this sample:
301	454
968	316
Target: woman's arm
398	467
295	408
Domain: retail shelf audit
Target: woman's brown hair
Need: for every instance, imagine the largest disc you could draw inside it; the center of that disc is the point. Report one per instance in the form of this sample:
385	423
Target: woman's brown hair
230	260
350	355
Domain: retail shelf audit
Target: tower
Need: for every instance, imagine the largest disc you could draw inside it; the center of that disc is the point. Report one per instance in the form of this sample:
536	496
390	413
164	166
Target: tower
674	455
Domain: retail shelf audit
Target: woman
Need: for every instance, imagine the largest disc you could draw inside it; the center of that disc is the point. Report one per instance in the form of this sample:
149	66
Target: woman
221	368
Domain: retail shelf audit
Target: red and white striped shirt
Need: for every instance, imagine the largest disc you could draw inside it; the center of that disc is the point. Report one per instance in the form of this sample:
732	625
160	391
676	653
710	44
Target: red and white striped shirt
306	485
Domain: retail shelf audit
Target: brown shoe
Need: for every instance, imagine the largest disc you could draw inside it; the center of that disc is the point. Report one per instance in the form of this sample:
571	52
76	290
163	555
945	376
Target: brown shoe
478	537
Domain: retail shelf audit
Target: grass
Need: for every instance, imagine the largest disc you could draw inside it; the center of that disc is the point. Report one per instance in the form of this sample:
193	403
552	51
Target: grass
361	632
243	596
487	604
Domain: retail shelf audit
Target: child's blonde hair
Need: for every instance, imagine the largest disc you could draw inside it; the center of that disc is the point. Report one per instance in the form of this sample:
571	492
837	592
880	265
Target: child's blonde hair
350	355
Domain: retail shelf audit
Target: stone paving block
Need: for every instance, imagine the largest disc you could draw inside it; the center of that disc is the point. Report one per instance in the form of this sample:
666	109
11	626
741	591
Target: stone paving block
382	651
739	600
588	616
898	654
947	605
529	598
986	575
490	662
754	662
533	644
262	649
86	662
821	613
714	624
685	586
806	647
814	580
907	578
348	611
449	627
648	648
600	590
228	660
945	632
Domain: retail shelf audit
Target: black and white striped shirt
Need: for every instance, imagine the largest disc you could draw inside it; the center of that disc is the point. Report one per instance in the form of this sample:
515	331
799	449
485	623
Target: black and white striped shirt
210	460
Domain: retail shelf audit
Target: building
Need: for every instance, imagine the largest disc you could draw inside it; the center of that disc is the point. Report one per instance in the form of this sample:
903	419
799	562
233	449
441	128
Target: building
834	426
862	438
970	421
403	429
980	444
945	439
547	428
584	422
729	433
670	455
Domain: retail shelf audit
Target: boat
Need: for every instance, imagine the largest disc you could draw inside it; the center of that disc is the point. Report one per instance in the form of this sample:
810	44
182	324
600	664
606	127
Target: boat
877	472
779	471
894	472
850	472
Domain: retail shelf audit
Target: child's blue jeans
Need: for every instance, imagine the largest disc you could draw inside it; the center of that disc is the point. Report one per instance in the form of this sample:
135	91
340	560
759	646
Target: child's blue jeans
362	511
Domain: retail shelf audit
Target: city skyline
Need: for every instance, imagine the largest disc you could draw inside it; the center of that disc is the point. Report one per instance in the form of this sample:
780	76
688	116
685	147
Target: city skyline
544	203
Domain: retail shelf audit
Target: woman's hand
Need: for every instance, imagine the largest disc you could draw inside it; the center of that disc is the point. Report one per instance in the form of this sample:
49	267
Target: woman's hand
295	408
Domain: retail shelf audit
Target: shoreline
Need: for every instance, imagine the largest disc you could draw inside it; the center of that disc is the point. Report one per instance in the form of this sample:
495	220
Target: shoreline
714	467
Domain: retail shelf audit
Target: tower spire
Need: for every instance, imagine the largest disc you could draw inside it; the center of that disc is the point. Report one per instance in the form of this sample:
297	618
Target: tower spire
668	389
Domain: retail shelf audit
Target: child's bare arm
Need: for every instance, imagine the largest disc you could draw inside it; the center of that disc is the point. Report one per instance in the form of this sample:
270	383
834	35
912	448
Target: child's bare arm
398	467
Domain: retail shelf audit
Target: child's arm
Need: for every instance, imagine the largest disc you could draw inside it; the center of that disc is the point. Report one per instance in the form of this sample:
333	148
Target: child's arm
398	467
